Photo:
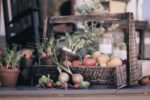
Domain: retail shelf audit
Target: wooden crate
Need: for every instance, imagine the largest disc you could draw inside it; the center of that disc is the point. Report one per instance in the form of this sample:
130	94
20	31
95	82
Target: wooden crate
126	22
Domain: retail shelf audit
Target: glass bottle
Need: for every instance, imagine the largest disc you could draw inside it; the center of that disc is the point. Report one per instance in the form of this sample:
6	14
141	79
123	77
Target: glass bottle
106	43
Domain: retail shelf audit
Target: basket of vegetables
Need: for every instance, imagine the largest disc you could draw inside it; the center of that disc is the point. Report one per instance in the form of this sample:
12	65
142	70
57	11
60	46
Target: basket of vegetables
97	68
45	49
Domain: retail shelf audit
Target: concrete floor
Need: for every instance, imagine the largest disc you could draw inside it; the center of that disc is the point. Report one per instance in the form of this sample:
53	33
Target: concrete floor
105	97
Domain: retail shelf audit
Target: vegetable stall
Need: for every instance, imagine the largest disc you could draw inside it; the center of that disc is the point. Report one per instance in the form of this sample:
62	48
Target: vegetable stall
90	53
90	56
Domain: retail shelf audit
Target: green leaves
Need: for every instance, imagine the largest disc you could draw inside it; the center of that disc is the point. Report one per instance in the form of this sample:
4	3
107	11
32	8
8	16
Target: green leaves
58	83
11	58
74	42
44	79
47	45
84	85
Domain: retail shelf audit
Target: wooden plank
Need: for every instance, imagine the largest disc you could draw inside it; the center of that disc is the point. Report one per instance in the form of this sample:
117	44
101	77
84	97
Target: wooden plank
82	18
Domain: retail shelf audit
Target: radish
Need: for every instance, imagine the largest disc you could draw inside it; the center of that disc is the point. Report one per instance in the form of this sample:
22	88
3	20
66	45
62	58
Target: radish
48	84
76	86
67	63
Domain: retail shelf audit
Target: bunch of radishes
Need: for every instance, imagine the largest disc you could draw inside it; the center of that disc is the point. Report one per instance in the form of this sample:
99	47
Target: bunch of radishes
46	82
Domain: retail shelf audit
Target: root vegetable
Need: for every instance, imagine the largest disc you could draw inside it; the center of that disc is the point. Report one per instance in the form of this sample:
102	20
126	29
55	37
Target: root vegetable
54	84
26	53
103	65
114	62
63	77
67	63
96	54
49	53
76	63
144	80
102	58
42	85
89	61
48	84
64	85
76	86
43	55
77	78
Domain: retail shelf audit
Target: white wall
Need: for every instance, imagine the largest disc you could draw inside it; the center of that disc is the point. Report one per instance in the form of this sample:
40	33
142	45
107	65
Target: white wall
136	8
2	29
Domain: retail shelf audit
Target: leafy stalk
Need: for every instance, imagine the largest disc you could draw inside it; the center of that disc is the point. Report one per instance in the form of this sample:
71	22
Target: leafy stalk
74	42
60	65
55	60
11	58
46	45
79	45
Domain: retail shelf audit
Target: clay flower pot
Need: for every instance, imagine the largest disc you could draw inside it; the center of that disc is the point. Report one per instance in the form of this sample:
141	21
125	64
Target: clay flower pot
70	56
9	77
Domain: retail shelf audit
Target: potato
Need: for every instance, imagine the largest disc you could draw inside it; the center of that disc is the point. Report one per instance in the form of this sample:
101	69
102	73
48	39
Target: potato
114	62
96	54
102	58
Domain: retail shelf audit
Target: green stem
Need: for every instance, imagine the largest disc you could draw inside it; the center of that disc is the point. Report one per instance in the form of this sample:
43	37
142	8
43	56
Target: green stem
61	66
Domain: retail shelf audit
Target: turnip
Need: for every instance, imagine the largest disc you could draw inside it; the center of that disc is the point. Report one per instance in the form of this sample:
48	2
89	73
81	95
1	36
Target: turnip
63	77
77	78
67	63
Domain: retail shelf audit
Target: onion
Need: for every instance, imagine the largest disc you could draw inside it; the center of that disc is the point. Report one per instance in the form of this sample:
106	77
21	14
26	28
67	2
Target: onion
77	78
63	77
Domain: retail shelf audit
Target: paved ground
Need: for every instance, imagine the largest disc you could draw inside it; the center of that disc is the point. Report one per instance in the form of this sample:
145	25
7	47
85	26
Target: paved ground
110	97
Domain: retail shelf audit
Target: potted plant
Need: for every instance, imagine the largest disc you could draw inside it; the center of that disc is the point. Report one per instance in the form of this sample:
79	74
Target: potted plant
9	67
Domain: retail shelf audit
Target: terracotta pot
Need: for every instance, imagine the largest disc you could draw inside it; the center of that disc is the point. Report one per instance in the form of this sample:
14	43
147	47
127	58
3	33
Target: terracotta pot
47	61
9	77
70	56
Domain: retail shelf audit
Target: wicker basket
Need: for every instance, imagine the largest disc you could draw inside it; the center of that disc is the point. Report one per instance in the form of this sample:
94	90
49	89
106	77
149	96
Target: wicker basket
110	77
70	56
47	61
